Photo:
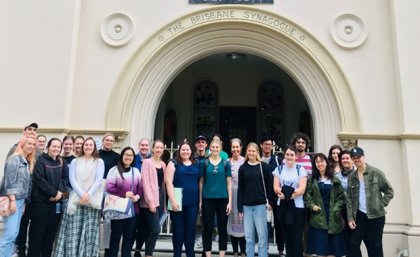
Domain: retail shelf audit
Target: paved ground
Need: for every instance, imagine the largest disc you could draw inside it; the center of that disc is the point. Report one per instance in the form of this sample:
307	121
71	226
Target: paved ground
164	248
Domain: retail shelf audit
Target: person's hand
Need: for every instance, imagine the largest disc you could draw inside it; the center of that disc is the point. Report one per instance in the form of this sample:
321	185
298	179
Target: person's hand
12	206
84	199
281	196
58	196
175	206
228	208
241	215
316	208
268	207
129	194
152	209
352	224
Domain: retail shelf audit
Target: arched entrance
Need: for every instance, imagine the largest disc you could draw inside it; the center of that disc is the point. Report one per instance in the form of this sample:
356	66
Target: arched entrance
237	95
153	67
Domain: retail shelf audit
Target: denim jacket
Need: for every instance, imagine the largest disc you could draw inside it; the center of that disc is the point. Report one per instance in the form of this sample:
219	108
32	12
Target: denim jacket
17	179
378	190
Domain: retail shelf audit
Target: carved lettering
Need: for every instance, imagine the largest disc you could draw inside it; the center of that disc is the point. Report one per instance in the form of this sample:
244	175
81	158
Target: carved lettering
175	28
208	16
273	22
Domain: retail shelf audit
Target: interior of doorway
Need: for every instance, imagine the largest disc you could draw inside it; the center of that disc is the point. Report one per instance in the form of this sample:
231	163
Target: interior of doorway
233	94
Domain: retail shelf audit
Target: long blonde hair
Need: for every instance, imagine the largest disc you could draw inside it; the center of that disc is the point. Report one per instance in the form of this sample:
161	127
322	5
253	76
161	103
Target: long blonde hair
30	158
252	144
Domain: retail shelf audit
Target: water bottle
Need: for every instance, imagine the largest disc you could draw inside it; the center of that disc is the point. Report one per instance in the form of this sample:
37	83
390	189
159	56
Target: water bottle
58	208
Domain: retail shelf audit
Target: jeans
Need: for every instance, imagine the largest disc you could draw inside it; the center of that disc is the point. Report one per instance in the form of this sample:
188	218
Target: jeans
11	230
370	231
125	228
183	227
255	218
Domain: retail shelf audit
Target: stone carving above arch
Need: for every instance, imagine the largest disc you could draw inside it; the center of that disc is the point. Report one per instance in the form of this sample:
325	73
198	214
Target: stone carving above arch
145	78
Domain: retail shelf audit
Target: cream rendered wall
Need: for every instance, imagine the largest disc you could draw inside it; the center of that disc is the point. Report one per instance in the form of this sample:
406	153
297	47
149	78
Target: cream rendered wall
56	70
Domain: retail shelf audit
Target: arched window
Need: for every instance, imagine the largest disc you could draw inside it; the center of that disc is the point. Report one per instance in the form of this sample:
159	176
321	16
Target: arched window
205	108
271	111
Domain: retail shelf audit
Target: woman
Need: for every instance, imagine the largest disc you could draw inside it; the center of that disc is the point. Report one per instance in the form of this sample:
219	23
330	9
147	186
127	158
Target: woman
40	142
124	180
67	153
324	198
183	174
289	185
333	158
152	204
16	185
215	197
235	226
223	154
346	168
49	185
79	228
78	142
255	181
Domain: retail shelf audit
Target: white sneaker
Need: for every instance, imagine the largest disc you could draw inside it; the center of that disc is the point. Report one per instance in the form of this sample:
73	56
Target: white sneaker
199	242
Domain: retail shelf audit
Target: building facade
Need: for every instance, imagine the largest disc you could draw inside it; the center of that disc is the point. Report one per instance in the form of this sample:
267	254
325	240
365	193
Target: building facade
342	72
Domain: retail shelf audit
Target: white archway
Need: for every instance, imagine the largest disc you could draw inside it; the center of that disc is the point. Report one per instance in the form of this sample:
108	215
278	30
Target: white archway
243	29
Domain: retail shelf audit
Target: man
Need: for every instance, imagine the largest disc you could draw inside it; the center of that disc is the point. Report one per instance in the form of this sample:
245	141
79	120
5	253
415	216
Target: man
368	193
267	144
144	153
200	143
302	143
27	130
141	231
109	156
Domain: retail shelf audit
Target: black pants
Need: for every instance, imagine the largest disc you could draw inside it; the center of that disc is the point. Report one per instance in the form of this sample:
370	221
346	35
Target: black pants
293	234
277	230
23	231
211	206
238	241
370	231
153	230
44	225
125	228
142	230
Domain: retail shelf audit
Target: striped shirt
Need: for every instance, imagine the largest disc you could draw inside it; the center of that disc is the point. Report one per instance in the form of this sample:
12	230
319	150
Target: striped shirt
306	162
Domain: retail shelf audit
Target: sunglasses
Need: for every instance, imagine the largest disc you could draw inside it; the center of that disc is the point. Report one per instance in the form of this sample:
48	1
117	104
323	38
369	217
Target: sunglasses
215	170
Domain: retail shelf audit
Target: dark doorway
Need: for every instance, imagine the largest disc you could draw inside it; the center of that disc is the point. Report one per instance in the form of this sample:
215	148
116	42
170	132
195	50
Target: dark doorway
240	122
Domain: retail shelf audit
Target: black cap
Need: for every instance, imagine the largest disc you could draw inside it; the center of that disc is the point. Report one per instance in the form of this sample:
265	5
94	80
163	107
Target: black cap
200	137
357	151
33	124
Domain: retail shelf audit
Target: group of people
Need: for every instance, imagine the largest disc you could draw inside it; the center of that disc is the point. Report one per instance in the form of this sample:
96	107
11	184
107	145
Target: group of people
321	205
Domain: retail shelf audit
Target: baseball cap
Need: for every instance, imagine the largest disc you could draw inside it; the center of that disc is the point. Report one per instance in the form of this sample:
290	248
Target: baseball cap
33	124
200	137
357	151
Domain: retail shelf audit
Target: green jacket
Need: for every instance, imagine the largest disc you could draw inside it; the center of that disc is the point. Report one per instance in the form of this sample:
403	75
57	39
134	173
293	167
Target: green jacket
378	192
313	197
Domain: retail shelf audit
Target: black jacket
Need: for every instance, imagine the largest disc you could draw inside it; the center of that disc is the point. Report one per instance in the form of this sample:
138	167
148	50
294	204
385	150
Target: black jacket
50	176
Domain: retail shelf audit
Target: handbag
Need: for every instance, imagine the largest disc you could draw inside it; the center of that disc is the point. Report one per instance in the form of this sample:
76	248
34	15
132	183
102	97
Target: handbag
270	216
118	208
4	206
